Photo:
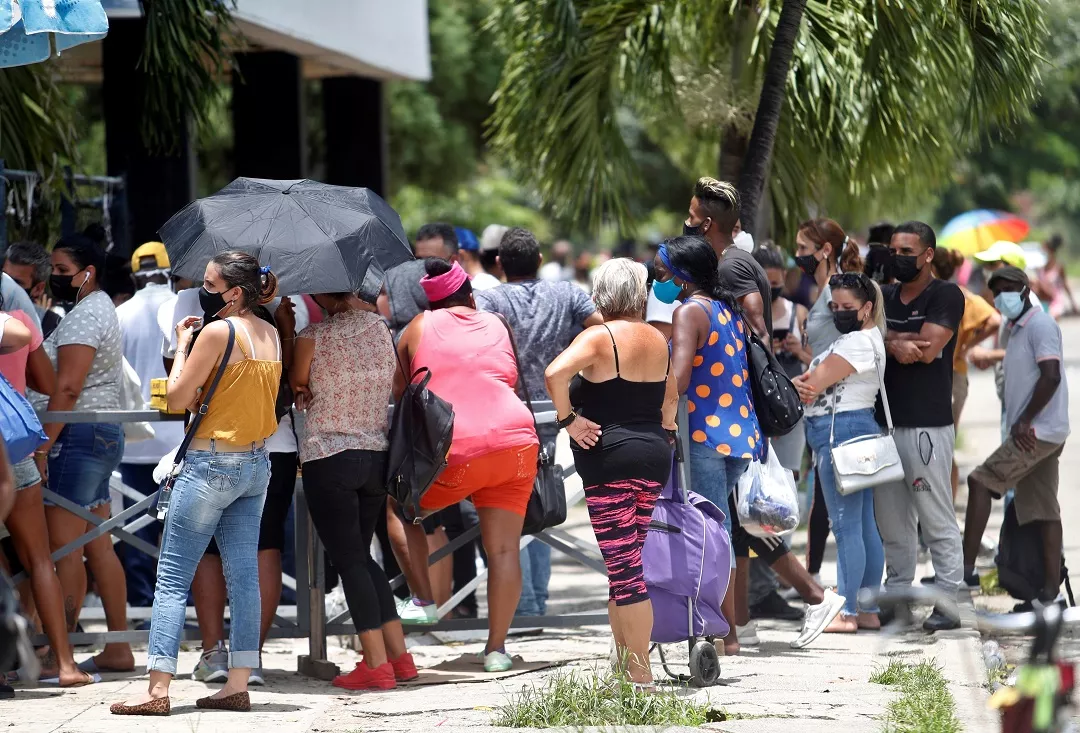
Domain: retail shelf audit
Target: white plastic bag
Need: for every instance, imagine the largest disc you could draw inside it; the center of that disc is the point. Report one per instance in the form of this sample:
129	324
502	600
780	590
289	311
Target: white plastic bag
131	399
767	499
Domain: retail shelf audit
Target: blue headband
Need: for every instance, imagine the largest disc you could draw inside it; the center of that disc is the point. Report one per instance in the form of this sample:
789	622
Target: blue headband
265	270
671	268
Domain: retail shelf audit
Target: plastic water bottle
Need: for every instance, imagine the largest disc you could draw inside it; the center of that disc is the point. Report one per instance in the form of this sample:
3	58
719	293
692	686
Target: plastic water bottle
993	655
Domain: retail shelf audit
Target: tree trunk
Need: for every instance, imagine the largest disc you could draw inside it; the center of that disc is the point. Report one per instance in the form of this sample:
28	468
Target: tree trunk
755	170
733	144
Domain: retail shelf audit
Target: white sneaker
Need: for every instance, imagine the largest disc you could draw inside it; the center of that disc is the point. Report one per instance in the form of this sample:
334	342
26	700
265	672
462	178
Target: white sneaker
817	618
412	613
789	594
748	634
497	662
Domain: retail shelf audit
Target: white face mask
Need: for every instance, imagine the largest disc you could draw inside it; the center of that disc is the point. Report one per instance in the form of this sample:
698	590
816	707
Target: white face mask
744	241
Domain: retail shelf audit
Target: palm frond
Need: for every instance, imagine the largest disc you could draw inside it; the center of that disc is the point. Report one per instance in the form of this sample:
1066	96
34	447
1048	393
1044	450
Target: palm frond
186	53
37	130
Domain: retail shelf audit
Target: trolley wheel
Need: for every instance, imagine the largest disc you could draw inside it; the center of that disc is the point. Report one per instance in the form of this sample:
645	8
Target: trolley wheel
704	664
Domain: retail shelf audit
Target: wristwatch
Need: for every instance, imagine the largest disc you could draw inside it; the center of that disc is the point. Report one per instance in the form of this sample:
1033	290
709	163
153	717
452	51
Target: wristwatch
566	421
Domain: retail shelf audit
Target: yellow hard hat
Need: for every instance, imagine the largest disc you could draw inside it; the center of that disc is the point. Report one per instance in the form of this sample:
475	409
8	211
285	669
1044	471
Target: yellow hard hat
150	249
1010	253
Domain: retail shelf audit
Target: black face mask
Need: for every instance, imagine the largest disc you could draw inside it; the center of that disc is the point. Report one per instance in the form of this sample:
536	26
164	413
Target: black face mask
776	292
906	267
692	231
846	321
211	303
62	288
808	264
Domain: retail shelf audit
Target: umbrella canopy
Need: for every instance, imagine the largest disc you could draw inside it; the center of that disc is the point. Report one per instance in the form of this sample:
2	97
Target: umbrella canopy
977	230
29	29
317	238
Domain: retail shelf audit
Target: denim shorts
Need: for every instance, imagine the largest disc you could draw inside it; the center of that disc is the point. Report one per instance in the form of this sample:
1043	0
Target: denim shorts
82	460
26	473
715	476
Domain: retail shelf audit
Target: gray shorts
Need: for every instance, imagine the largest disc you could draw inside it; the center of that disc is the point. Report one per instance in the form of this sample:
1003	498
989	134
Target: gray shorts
26	474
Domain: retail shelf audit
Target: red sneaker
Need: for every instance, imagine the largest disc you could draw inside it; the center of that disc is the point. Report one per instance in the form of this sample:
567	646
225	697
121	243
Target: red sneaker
404	668
366	678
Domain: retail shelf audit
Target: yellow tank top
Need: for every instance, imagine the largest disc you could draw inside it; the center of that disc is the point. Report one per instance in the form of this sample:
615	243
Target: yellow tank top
242	408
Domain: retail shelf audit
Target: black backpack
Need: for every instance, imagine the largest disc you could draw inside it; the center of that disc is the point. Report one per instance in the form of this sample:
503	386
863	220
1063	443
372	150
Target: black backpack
776	401
1020	559
420	435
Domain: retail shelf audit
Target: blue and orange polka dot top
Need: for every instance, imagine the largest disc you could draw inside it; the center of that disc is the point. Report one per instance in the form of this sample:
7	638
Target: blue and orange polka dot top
720	402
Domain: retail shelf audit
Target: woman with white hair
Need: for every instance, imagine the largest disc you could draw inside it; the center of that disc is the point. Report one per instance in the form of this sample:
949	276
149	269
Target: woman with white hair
614	395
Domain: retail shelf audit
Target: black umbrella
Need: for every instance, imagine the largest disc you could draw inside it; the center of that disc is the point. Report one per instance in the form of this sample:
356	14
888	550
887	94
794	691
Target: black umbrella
316	238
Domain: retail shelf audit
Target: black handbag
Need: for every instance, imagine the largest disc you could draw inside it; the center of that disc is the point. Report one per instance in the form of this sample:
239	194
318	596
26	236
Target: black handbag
547	505
160	506
421	432
776	401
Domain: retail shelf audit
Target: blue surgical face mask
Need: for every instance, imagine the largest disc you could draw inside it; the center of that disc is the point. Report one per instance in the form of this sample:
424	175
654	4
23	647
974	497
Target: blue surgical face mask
666	291
1010	305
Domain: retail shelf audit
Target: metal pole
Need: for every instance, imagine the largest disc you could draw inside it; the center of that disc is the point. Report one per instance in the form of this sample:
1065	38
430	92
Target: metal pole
314	663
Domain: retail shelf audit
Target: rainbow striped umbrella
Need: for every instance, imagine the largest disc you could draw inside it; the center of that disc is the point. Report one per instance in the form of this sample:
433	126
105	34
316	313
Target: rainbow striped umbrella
975	231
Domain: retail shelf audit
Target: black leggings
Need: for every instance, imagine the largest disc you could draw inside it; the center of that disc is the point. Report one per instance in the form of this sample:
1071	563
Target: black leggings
817	530
345	495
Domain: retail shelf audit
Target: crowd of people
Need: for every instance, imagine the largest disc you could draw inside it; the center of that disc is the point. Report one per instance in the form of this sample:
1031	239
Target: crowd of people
875	339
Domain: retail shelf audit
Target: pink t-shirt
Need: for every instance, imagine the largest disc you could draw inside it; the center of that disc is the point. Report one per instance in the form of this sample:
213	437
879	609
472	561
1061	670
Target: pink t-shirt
472	367
13	365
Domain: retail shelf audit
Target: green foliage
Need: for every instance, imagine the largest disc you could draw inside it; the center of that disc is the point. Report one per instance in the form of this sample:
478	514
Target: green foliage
37	130
925	704
575	699
436	128
187	50
880	91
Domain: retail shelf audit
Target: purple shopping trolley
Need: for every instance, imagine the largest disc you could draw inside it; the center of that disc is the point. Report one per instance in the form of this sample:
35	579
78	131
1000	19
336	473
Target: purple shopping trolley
687	565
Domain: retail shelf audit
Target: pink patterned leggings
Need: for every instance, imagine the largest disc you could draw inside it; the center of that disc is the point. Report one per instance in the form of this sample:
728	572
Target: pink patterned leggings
620	512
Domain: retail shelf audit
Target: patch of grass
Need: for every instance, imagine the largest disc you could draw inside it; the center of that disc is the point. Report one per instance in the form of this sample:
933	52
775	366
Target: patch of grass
925	704
988	583
577	699
998	676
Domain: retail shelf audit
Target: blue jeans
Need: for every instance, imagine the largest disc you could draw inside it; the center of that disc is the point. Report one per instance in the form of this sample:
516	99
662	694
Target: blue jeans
82	460
535	575
715	476
860	556
217	495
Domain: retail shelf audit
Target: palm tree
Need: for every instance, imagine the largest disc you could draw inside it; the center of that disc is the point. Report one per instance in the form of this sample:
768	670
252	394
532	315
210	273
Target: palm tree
864	98
186	52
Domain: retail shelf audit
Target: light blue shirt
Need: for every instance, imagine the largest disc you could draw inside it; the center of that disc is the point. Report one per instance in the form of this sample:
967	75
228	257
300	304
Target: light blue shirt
16	299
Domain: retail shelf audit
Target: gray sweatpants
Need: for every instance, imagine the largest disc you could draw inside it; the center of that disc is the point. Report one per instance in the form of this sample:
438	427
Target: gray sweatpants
924	499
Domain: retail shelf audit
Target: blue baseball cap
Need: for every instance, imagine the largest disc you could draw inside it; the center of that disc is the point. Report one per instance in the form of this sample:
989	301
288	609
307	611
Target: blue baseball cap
467	240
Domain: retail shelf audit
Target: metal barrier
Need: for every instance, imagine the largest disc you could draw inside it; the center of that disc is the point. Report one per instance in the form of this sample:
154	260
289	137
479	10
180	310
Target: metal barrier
308	617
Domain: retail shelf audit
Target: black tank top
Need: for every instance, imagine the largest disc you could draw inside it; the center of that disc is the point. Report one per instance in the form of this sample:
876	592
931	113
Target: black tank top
633	443
618	401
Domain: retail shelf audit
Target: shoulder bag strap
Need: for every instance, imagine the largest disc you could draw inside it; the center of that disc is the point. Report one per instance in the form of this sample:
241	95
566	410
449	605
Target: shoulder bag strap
880	369
193	426
524	389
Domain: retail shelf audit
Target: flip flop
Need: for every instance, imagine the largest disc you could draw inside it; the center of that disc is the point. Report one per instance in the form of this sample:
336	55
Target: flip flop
93	680
91	667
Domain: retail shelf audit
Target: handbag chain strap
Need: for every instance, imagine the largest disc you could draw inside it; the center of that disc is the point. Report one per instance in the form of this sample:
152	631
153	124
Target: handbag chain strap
880	369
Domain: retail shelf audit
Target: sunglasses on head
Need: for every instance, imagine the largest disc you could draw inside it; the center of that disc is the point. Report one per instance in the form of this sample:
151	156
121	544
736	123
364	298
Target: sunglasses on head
852	281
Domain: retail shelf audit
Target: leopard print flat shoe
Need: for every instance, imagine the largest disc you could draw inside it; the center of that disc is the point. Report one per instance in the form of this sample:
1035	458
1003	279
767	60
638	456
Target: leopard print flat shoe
160	706
238	703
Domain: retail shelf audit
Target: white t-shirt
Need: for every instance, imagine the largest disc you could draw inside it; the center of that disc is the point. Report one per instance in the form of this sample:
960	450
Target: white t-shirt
864	350
483	281
186	304
659	312
141	338
552	272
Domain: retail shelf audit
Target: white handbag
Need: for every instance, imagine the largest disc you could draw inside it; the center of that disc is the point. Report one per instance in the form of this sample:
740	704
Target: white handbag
868	461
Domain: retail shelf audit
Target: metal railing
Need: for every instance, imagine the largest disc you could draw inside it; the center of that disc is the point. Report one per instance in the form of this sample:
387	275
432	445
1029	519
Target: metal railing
307	619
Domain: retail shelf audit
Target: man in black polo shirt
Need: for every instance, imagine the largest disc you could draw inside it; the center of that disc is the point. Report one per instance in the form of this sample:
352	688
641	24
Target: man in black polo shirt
923	315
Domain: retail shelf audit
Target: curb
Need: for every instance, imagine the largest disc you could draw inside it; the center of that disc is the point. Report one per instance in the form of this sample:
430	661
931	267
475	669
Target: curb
960	654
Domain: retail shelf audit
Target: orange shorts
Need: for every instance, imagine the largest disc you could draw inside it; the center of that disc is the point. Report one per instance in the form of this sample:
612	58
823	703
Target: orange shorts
500	480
